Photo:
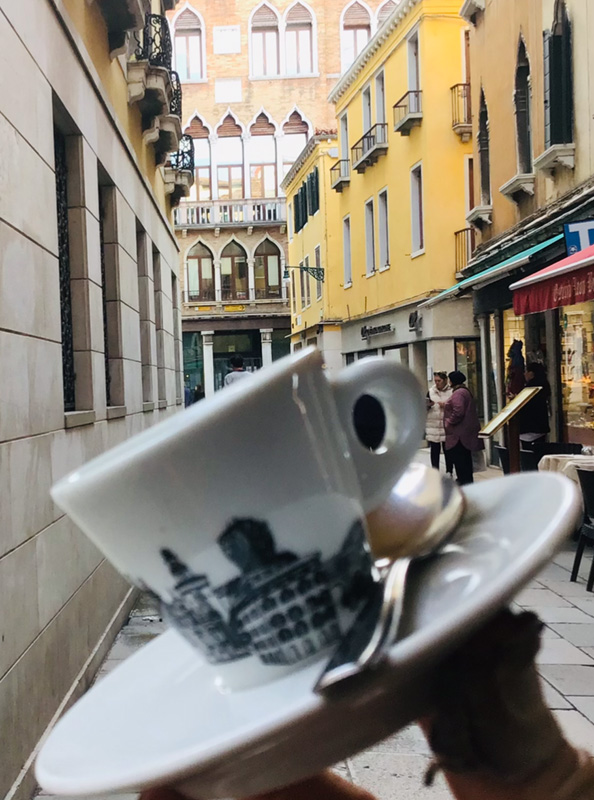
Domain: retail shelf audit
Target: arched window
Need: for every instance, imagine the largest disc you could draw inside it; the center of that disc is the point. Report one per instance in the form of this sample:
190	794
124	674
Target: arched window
264	42
522	103
296	131
484	153
299	41
200	274
202	188
262	158
234	273
267	270
356	32
558	80
229	160
384	11
189	60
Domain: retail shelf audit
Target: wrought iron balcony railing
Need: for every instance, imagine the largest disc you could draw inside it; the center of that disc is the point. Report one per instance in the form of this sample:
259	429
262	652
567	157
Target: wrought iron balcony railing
155	44
340	174
461	110
183	160
218	213
175	106
464	241
205	295
408	112
370	146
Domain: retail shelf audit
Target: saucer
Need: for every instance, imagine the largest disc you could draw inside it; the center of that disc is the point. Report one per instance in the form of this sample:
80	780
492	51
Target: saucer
161	717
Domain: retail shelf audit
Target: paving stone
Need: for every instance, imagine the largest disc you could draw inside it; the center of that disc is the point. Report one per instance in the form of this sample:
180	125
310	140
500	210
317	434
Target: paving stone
552	614
565	559
570	679
553	573
579	634
577	729
548	633
558	651
586	605
568	588
589	651
130	643
397	776
553	698
409	741
541	598
585	705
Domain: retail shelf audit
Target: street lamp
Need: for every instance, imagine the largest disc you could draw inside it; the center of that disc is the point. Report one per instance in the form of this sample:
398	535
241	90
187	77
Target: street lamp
317	273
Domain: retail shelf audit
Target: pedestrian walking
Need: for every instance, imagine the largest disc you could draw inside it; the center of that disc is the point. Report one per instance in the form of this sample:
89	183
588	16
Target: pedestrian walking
187	396
237	370
437	397
534	417
461	427
515	379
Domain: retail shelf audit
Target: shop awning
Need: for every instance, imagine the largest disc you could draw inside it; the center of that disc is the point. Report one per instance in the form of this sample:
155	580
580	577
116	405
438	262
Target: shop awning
565	283
490	274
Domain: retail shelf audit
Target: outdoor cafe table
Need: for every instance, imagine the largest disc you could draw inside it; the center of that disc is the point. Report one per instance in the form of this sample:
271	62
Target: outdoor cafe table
566	464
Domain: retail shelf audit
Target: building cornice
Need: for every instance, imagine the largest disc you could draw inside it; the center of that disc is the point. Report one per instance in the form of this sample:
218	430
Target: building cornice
312	143
401	11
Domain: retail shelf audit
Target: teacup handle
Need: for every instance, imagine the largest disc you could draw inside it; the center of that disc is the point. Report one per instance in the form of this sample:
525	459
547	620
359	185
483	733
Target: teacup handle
401	398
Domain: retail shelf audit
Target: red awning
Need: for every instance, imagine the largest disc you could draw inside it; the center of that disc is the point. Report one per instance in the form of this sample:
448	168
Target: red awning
565	283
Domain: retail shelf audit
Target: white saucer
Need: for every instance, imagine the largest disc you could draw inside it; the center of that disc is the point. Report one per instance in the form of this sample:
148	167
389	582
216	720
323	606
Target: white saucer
160	718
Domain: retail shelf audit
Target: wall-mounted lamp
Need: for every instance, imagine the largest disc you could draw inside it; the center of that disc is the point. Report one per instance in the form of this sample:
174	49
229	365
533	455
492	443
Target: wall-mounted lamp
317	273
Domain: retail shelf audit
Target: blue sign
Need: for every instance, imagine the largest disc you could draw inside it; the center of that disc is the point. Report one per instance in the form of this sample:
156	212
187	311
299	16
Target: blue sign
579	235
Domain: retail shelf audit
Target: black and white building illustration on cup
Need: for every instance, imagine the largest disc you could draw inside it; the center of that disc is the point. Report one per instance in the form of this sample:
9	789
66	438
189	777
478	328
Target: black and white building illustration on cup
281	607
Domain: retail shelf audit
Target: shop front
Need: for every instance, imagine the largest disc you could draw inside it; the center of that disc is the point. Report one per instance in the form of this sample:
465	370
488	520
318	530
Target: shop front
565	290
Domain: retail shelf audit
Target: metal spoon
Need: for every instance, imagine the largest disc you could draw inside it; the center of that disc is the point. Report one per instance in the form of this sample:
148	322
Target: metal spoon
421	512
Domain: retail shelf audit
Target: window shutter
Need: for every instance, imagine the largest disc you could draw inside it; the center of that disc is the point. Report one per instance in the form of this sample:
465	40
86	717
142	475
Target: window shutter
187	21
356	16
299	16
264	18
567	82
547	89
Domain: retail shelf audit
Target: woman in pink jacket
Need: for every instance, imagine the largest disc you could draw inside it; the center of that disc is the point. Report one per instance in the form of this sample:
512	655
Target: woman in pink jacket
461	427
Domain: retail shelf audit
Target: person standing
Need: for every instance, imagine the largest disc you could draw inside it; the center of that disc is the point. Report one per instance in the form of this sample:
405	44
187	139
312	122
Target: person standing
534	417
437	397
461	427
237	370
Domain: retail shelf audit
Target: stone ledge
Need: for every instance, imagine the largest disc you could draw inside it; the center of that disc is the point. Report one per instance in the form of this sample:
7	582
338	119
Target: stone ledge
75	419
115	412
148	406
162	404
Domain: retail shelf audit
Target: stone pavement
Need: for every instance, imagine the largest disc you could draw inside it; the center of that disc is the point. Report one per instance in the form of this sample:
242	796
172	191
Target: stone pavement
394	769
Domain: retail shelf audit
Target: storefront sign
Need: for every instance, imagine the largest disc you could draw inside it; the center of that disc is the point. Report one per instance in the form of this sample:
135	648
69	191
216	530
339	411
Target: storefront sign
566	290
579	235
367	331
234	308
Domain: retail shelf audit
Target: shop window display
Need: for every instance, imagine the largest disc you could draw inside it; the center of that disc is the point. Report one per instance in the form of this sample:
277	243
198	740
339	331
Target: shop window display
577	371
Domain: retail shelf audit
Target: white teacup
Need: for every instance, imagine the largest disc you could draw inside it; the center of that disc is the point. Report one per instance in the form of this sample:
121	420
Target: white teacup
245	513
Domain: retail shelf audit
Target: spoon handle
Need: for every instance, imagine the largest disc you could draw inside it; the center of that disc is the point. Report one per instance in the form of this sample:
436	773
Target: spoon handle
384	633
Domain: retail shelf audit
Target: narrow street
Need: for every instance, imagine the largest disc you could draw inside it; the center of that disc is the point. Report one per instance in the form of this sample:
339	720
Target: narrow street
394	769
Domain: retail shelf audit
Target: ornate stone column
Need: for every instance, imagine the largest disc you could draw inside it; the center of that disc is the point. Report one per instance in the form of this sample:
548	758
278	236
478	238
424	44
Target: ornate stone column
266	337
251	279
208	361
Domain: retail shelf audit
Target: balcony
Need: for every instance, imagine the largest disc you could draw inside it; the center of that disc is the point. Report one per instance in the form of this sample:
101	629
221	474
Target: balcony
228	213
461	111
558	156
519	187
121	16
464	241
408	112
155	87
370	147
480	216
179	173
340	174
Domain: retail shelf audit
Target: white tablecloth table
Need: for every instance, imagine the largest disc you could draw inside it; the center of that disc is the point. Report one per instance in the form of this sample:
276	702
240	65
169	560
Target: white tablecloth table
566	464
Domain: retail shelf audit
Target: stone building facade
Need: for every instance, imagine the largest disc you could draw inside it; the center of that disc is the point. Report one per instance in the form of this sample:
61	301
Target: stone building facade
90	339
255	80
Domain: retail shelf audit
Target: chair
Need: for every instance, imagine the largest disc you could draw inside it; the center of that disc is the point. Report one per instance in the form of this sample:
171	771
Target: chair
503	454
586	478
528	461
555	448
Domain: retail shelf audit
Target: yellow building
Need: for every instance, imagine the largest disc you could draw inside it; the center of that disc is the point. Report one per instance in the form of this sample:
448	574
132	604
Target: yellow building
313	226
402	189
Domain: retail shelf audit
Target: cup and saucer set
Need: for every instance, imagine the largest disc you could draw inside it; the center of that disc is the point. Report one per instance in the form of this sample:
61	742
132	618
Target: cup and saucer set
309	579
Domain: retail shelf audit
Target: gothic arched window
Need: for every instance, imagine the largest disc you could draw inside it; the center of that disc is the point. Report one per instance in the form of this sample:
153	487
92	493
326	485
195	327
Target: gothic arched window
200	281
522	104
267	270
484	153
264	42
234	273
299	41
355	33
189	46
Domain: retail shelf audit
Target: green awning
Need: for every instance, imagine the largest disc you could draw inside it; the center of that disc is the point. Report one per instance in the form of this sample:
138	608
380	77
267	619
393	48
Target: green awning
492	273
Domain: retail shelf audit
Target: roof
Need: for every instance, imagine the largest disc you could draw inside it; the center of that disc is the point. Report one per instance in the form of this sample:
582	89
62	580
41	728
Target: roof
402	10
493	273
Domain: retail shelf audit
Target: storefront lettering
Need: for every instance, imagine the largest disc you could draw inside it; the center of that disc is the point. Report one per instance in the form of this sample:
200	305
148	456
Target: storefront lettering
367	331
